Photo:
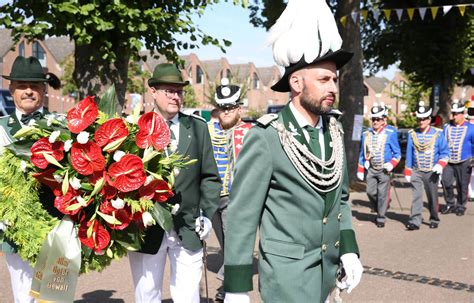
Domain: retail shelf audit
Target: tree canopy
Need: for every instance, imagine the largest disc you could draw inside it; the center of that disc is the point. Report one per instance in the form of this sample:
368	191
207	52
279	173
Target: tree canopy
107	34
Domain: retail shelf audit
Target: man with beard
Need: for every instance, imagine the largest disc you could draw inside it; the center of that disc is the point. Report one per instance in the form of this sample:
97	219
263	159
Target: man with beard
227	138
291	178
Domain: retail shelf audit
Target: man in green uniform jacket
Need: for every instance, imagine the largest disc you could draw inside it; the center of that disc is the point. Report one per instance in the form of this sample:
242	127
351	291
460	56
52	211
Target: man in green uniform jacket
291	182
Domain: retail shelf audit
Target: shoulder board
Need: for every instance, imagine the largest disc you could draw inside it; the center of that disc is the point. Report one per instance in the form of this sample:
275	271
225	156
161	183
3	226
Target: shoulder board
336	113
267	119
411	131
198	117
390	130
437	129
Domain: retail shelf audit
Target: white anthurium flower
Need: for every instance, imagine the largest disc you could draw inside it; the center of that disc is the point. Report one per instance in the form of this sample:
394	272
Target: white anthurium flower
99	253
148	180
176	171
132	119
58	178
175	209
50	119
83	137
3	226
67	145
118	155
23	166
81	201
54	135
75	183
118	203
148	219
173	145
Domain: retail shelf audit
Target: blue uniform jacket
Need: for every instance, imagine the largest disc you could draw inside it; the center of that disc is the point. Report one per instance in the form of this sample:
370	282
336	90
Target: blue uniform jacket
432	149
379	148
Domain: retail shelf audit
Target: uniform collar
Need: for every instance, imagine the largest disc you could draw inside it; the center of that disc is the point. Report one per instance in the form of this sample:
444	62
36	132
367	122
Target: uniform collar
302	122
18	113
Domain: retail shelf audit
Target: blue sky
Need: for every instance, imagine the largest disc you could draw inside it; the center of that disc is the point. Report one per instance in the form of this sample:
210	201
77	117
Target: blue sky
224	20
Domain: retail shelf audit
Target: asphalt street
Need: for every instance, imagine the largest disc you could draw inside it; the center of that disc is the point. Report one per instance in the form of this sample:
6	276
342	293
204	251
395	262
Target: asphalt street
427	265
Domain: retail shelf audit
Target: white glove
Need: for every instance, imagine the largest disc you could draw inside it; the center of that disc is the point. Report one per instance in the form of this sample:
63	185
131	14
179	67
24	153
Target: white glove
353	269
236	297
388	166
367	164
438	169
360	176
408	178
203	227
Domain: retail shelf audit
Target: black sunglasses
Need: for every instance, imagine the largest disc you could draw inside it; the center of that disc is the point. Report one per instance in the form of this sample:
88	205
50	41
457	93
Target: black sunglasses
377	119
423	119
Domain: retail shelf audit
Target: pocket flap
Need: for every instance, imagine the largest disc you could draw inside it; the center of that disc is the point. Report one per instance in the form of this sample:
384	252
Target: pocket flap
284	249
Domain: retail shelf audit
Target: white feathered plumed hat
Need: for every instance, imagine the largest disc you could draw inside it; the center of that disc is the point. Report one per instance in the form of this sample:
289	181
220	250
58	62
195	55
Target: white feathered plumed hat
457	106
227	95
305	33
423	111
378	111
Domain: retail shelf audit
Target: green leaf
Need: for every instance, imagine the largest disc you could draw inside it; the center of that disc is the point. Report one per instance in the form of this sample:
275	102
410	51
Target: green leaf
65	185
108	102
52	160
162	216
98	186
109	219
114	145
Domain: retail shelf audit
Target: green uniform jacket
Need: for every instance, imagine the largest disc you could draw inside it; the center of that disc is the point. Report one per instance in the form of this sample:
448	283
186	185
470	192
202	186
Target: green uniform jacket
197	186
302	233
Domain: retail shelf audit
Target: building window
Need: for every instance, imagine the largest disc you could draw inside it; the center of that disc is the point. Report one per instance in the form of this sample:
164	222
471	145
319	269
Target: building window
199	75
403	87
39	53
21	49
255	82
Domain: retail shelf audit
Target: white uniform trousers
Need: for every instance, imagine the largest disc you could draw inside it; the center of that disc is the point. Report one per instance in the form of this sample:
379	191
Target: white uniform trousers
21	275
185	277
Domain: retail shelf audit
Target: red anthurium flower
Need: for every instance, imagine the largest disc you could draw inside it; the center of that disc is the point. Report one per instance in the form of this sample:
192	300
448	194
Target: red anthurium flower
87	158
99	239
82	115
62	202
43	146
128	174
153	132
110	131
46	177
124	215
158	190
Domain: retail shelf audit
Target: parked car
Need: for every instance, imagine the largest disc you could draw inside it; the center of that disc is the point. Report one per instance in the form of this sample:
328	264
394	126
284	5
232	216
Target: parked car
7	106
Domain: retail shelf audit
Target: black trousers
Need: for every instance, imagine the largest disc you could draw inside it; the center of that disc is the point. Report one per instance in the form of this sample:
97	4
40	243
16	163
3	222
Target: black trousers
461	173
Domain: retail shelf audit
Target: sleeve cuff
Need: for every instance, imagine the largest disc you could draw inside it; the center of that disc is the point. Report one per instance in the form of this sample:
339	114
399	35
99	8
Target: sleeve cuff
348	242
394	162
238	278
407	172
360	169
443	163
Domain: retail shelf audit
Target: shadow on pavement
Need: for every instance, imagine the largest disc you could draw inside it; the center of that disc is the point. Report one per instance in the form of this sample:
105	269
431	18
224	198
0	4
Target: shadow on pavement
99	296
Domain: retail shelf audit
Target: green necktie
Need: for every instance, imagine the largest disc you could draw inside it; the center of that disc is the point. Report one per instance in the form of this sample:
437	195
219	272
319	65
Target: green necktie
173	137
314	140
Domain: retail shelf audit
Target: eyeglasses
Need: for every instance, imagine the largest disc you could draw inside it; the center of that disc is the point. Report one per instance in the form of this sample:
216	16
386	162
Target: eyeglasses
423	119
377	119
229	109
170	93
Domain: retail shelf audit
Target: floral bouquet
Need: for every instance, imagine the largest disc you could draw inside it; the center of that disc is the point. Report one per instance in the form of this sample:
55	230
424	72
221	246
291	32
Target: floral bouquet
112	176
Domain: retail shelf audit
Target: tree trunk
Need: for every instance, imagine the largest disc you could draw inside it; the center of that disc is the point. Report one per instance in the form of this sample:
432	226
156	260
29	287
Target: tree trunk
351	84
93	75
446	89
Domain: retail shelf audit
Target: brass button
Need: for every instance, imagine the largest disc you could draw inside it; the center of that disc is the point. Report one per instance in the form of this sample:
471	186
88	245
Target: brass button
325	220
339	216
324	247
336	245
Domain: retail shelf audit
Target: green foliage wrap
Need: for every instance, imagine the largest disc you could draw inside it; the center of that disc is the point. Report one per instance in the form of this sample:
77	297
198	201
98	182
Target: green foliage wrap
29	223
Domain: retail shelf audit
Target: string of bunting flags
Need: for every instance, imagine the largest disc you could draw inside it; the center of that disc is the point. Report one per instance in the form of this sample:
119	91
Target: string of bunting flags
410	11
